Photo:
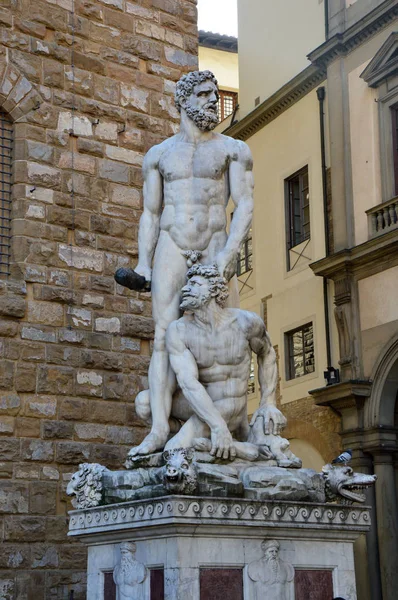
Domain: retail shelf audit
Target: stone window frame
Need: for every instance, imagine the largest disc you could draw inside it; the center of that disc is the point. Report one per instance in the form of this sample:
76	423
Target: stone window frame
19	98
381	74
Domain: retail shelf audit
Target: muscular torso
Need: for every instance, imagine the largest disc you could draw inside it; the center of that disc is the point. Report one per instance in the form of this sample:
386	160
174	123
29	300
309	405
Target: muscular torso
223	357
196	191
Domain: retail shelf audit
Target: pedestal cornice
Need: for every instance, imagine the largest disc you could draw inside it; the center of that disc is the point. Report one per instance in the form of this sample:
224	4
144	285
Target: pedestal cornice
189	515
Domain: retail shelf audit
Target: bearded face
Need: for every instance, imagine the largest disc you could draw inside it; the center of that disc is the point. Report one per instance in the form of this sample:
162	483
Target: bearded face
205	119
195	294
201	106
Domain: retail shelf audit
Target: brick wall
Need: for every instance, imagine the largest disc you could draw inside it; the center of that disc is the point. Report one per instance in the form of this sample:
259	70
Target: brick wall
74	346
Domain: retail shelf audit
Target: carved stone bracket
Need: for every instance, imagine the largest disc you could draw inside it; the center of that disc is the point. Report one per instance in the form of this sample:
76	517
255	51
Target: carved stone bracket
347	399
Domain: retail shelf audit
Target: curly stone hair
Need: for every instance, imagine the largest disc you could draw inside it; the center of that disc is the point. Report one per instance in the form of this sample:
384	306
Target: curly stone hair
218	284
186	84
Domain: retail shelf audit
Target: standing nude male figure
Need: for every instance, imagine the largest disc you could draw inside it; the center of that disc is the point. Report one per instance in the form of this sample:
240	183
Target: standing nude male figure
188	180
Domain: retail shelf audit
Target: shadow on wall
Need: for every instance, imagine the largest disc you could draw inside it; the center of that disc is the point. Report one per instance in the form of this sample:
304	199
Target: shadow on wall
312	459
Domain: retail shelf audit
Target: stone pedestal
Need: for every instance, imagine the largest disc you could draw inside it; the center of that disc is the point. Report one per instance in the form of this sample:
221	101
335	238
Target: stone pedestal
189	537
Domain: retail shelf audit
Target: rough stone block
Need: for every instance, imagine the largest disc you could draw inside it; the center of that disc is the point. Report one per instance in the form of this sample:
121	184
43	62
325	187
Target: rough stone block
27	427
14	556
80	317
6	374
134	326
43	175
10	403
56	430
10	449
14	497
30	585
55	380
37	450
7	425
74	408
12	306
39	334
108	325
90	432
21	529
72	452
80	125
27	471
134	97
114	171
43	497
25	378
81	258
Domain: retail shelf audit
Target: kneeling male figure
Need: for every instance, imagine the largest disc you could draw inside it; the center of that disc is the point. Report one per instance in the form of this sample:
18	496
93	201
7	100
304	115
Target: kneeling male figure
210	349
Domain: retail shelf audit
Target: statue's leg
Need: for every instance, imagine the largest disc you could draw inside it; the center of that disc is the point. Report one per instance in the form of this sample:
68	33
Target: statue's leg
168	277
193	428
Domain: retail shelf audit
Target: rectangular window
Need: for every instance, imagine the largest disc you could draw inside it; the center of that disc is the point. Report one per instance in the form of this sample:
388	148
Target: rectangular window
298	208
6	139
226	104
300	351
394	115
245	256
251	384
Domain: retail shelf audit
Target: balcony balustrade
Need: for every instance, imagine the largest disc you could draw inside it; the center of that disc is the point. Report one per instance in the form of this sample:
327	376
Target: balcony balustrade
383	218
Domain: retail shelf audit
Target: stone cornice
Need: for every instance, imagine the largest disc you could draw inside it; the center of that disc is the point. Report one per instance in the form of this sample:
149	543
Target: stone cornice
178	513
362	259
342	43
342	395
274	106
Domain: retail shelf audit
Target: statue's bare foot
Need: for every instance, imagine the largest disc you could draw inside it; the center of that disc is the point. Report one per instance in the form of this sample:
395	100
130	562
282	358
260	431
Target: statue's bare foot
151	443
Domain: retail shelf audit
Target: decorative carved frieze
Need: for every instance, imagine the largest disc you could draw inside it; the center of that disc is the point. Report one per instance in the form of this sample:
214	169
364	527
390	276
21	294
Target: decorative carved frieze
183	510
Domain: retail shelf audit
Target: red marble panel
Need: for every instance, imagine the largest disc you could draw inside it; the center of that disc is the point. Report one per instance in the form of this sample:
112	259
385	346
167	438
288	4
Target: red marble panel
157	584
109	586
221	584
314	584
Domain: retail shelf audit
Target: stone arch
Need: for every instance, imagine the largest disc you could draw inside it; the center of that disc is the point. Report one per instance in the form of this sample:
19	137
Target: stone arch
18	96
380	409
303	430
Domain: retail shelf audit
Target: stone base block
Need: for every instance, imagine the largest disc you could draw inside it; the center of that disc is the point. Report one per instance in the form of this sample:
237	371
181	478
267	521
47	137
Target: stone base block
190	548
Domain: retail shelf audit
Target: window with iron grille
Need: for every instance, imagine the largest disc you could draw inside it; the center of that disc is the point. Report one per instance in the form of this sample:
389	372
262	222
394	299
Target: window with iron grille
6	143
251	384
300	351
226	104
298	208
245	256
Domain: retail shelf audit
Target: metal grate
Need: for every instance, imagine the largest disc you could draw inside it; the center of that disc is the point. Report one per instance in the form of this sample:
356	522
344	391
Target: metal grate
6	143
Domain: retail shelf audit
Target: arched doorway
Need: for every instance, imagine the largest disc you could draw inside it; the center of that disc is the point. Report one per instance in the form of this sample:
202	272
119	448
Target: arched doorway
380	440
310	456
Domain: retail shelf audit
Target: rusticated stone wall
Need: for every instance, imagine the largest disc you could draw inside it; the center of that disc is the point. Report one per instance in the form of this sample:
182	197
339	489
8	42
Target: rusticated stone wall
89	86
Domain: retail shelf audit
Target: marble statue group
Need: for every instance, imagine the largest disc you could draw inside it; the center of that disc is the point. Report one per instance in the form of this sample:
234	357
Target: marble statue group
201	452
200	438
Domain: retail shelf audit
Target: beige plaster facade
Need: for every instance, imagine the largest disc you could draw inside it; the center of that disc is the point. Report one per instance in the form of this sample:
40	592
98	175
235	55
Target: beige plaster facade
275	38
223	64
353	205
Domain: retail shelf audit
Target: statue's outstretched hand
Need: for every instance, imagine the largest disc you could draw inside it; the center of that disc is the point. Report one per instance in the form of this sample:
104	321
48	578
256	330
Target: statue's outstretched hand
145	272
226	265
274	421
